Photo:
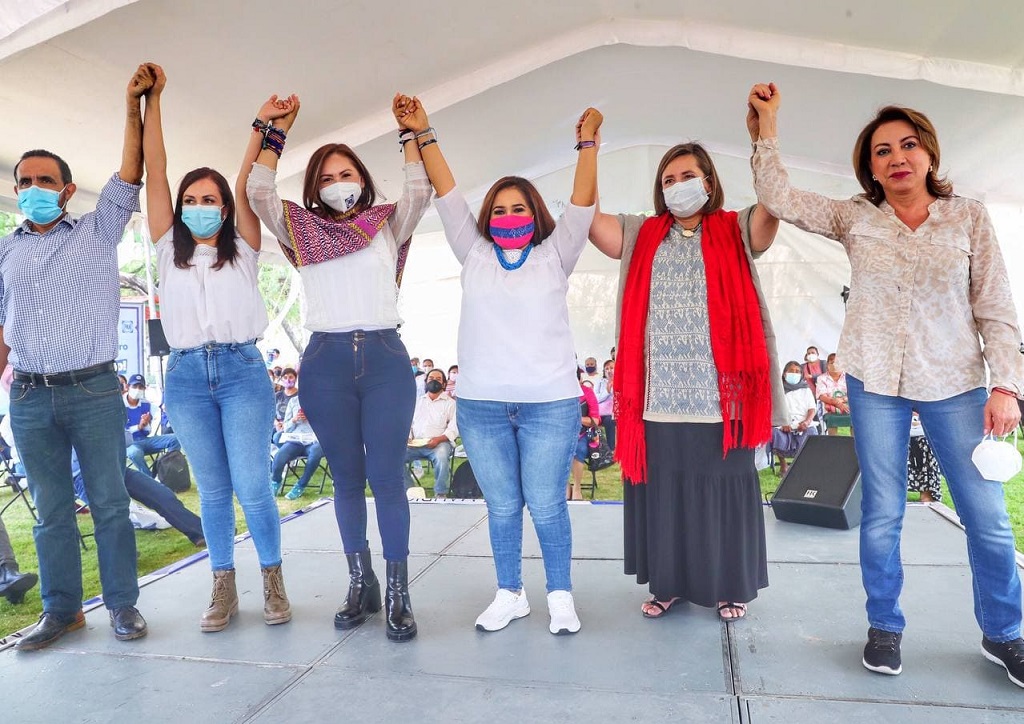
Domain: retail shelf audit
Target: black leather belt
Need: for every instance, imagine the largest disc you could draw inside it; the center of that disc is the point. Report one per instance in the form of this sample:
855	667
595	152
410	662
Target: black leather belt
59	379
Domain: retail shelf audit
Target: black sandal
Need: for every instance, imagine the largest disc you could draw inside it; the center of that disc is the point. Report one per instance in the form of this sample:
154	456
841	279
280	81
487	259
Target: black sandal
741	607
662	608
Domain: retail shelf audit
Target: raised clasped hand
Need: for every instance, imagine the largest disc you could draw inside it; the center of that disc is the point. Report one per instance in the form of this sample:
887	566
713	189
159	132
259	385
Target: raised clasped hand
142	81
276	108
409	113
588	127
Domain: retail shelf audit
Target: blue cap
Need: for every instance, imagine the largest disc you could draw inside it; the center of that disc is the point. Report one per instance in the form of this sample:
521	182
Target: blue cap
136	380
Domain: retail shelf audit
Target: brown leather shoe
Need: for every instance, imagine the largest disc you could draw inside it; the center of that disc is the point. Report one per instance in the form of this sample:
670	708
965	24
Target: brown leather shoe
276	608
223	602
51	627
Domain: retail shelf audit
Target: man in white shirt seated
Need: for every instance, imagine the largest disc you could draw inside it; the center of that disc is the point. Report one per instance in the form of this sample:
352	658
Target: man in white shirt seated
591	373
433	432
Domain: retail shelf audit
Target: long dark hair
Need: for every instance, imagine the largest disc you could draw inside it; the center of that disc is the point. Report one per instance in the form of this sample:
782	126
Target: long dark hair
311	184
184	244
543	224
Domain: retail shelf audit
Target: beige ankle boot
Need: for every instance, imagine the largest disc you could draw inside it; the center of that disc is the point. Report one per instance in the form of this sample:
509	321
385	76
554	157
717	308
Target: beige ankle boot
276	608
223	602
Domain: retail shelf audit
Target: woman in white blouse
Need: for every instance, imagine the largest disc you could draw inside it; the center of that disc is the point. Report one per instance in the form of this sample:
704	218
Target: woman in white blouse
357	391
928	286
212	315
518	409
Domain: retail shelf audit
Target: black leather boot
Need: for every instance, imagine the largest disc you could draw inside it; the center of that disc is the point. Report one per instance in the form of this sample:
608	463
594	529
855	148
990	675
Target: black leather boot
363	592
13	584
401	626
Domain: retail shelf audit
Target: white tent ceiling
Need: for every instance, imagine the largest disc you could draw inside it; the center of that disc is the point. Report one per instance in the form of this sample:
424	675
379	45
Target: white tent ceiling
504	83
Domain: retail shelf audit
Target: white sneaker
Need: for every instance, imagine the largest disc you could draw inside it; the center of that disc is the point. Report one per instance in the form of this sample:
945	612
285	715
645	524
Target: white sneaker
563	613
506	606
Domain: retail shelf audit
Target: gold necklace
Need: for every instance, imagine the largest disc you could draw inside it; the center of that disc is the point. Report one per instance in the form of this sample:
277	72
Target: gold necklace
688	233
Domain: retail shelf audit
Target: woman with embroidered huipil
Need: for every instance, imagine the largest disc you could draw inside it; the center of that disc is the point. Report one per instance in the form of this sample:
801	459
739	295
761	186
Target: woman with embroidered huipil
212	315
357	392
518	409
696	377
928	286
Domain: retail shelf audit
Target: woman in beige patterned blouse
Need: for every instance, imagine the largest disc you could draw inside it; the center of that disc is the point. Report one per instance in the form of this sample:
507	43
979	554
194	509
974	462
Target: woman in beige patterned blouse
928	286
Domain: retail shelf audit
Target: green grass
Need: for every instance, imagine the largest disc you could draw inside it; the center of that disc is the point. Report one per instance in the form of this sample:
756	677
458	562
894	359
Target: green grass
160	548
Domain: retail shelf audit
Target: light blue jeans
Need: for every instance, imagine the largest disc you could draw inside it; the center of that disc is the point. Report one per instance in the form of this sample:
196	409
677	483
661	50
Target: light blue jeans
440	457
47	422
521	452
222	404
954	427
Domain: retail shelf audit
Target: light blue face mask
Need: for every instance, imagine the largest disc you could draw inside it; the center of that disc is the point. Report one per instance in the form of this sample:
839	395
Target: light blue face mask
203	221
793	378
40	206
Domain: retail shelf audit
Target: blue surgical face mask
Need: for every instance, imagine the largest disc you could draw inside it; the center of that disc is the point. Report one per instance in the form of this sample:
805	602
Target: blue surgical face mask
793	377
202	221
40	206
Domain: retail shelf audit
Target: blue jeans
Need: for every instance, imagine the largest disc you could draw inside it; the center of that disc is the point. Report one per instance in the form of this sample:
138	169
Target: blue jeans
522	452
222	405
954	427
440	457
142	447
47	422
359	395
293	451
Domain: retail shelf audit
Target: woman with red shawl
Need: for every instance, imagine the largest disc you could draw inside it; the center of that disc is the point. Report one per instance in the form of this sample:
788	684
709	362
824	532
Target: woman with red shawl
695	379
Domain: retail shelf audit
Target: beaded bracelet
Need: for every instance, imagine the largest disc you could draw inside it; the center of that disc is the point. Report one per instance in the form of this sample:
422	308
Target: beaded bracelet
585	144
426	132
274	139
427	143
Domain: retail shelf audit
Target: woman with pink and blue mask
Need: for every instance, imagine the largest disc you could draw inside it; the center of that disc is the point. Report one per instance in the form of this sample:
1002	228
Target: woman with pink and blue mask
518	392
207	246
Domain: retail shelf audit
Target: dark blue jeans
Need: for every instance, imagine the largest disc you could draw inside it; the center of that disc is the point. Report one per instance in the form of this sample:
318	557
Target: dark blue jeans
155	496
142	447
47	422
359	395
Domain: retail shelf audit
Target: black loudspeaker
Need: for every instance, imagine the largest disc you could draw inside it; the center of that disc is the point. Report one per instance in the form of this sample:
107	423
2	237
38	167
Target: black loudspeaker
158	346
822	486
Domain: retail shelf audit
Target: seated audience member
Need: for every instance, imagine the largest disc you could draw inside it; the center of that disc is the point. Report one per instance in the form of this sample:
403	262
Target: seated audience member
297	440
606	401
123	381
453	373
13	583
589	420
272	355
812	368
428	364
922	466
154	495
140	425
590	373
831	391
433	432
789	439
289	389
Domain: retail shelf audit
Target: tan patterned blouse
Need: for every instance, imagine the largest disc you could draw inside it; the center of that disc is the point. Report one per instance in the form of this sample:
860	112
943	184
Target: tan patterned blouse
918	299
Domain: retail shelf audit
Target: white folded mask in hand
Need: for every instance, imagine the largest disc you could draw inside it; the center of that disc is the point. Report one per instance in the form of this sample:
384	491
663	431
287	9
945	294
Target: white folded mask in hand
997	460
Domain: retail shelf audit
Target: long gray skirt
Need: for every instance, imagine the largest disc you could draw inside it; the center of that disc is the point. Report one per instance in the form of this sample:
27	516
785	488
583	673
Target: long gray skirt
696	530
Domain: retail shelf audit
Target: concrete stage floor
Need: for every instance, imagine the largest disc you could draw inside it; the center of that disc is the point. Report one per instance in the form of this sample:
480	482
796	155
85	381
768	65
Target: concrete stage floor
794	658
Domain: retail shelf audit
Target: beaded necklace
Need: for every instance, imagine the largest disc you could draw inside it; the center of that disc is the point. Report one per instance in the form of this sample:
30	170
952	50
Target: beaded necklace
512	265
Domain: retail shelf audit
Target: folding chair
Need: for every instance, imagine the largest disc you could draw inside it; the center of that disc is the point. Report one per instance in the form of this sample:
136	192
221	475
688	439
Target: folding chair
410	466
292	471
17	483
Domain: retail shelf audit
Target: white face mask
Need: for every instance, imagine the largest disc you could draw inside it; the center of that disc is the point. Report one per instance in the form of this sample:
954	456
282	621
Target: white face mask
341	196
997	460
812	358
136	394
686	198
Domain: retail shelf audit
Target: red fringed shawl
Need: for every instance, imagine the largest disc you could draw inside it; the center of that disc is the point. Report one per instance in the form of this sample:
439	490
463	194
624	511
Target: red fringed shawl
737	341
314	239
